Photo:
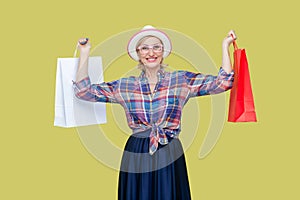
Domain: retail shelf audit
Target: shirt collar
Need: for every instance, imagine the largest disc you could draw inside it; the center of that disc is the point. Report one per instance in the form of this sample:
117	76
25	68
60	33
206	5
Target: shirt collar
161	74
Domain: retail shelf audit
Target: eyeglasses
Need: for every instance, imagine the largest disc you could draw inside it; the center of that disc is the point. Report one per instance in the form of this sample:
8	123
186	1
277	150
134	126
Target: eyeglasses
146	48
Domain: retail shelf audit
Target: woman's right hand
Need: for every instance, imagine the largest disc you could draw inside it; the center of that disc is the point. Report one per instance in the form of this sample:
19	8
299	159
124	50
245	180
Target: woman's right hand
84	48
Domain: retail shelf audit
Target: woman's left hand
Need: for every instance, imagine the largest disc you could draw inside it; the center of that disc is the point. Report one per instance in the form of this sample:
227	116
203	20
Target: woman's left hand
231	36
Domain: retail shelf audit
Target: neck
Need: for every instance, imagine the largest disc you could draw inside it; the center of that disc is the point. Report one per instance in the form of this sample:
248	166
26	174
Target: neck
151	73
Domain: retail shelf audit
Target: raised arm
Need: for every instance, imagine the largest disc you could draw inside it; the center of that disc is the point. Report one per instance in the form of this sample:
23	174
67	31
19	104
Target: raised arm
226	62
84	50
200	84
83	89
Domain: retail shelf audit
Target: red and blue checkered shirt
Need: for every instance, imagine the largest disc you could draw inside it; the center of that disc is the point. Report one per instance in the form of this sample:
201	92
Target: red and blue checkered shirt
160	110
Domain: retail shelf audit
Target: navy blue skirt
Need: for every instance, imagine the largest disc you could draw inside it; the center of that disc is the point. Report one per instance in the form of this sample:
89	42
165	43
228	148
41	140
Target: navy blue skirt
161	176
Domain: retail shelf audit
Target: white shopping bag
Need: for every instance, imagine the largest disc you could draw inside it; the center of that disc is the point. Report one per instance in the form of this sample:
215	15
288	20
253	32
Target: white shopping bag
69	110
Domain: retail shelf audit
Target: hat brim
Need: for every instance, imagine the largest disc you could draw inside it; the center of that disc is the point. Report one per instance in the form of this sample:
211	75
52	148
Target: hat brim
131	47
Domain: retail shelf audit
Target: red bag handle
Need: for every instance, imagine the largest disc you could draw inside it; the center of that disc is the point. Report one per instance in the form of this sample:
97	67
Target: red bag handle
234	43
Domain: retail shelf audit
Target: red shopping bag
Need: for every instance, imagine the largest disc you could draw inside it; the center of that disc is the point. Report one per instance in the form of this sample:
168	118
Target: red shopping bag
241	104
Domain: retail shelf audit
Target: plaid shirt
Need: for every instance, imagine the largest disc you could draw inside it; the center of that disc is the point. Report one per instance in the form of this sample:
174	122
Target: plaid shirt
160	110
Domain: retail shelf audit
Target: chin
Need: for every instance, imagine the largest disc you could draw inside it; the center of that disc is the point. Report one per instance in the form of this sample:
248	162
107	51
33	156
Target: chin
152	65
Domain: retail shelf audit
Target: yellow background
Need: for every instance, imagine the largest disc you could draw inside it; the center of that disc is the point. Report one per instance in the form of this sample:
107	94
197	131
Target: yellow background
250	161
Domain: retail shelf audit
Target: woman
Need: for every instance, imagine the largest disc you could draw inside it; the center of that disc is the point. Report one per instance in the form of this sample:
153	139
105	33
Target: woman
153	164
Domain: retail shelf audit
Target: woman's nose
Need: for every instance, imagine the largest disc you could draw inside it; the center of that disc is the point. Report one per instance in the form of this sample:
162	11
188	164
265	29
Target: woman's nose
150	51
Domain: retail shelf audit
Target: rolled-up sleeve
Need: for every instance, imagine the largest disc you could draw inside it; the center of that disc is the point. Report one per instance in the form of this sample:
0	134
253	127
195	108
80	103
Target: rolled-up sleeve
103	92
200	84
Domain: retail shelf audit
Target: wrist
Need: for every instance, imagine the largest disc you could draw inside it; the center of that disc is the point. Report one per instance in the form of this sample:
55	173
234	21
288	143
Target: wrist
225	46
84	53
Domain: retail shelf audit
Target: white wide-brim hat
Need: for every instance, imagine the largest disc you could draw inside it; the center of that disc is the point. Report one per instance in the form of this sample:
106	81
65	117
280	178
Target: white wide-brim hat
148	31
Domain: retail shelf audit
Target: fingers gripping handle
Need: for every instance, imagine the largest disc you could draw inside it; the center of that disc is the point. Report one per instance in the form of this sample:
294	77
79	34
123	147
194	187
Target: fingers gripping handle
84	42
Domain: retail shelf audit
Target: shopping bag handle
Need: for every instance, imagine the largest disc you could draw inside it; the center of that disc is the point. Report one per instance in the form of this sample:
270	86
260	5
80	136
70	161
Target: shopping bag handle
234	42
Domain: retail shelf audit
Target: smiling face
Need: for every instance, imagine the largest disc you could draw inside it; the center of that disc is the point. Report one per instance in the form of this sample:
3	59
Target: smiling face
150	52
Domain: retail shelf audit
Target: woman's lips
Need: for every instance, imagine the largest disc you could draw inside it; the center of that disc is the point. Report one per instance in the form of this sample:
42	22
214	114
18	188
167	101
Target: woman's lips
150	60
